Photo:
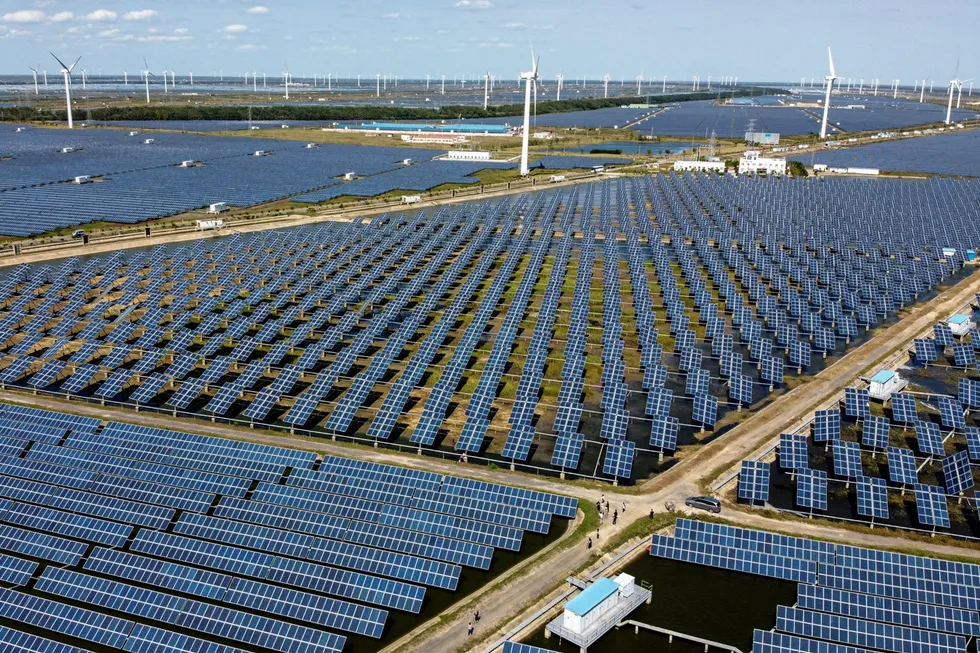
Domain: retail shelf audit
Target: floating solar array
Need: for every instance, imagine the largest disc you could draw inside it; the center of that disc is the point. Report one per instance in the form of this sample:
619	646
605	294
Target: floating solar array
159	526
136	179
945	154
848	598
443	328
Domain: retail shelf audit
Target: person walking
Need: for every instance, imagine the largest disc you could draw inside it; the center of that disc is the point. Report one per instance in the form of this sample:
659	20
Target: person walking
590	544
615	516
469	629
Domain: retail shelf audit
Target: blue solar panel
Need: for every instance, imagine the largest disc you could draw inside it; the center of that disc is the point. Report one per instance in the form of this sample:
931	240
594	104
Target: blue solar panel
930	504
872	497
901	466
811	489
753	481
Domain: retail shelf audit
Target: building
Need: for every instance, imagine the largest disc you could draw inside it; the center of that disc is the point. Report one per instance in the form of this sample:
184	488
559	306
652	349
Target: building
960	324
884	384
699	166
761	138
466	155
434	139
752	163
597	609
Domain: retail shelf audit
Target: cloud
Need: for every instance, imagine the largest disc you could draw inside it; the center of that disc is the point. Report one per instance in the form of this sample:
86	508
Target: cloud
474	4
234	29
251	47
181	30
101	15
407	38
514	26
392	16
24	16
109	33
62	16
143	14
163	38
257	10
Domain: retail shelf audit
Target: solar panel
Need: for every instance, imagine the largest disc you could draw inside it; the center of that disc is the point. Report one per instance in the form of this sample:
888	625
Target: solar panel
930	505
855	632
663	433
847	459
740	389
929	439
568	450
753	481
811	489
872	497
705	409
901	466
951	413
793	454
746	561
875	432
619	458
903	408
856	403
826	425
957	473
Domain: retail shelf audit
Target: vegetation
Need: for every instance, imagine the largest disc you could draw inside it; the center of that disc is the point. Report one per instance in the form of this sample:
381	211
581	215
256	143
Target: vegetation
797	169
382	112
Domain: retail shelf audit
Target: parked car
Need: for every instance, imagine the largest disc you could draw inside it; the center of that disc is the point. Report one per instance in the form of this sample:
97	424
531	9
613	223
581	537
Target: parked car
704	503
78	233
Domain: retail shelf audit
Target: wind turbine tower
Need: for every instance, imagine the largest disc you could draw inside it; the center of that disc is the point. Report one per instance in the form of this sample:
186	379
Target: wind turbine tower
34	70
830	85
66	71
530	79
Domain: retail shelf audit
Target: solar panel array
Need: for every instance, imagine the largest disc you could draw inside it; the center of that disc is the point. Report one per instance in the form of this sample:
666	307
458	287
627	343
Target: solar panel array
443	328
848	598
272	548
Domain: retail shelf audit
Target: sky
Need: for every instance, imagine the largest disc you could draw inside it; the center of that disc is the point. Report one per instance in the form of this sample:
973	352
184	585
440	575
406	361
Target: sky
762	40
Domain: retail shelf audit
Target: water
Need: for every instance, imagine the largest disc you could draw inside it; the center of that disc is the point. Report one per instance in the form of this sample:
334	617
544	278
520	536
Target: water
702	601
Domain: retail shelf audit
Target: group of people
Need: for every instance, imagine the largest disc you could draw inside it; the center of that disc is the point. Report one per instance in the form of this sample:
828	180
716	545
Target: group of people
602	506
469	626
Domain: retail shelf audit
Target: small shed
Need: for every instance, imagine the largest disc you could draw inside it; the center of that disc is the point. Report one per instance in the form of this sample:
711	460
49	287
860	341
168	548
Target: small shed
586	608
885	383
960	324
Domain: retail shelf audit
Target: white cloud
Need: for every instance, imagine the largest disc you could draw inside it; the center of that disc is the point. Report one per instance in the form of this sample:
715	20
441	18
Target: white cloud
234	29
62	16
474	4
100	15
181	30
514	25
163	38
109	33
24	16
258	10
251	47
392	16
143	14
407	38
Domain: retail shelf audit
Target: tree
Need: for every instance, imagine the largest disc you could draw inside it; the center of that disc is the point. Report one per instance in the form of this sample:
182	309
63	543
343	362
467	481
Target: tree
797	169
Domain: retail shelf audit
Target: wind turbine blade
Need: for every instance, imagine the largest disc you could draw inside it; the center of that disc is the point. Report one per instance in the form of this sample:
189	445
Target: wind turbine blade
75	64
830	56
536	62
59	61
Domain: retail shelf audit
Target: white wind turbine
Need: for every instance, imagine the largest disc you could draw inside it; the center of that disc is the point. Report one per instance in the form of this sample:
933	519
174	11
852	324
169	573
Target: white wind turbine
639	83
486	89
34	70
146	79
66	71
285	76
830	85
955	84
530	79
605	86
561	83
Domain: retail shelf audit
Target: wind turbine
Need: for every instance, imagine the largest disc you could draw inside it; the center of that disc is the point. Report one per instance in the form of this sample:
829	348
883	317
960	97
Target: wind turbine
922	93
639	83
377	79
530	79
561	83
955	84
605	86
486	89
285	76
66	71
443	92
34	70
830	85
146	79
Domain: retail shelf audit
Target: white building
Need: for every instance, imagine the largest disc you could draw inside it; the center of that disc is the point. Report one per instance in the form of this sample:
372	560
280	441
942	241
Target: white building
467	155
884	384
699	166
218	207
762	138
960	324
587	609
752	162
